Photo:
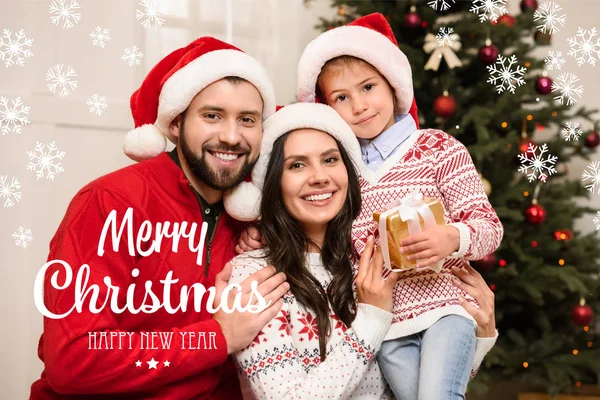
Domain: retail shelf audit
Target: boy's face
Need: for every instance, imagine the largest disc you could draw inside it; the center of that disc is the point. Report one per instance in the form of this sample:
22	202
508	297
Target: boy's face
362	96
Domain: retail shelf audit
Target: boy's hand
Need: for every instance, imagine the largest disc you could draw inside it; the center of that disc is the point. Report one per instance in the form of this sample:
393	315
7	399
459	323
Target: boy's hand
431	245
250	239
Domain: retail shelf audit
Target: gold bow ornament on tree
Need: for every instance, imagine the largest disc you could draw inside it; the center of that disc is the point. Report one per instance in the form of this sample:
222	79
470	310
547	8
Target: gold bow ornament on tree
444	45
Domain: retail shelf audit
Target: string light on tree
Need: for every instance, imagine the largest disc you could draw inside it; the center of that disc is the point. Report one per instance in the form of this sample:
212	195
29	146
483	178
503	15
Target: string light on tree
563	235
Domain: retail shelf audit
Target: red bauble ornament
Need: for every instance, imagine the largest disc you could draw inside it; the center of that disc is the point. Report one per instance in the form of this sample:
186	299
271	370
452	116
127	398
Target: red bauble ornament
488	54
592	140
412	21
563	235
535	214
507	20
524	143
523	147
582	315
529	5
543	85
444	106
492	287
542	38
487	263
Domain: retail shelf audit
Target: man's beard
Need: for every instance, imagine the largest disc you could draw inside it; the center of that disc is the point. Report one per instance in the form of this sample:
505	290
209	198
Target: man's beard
223	179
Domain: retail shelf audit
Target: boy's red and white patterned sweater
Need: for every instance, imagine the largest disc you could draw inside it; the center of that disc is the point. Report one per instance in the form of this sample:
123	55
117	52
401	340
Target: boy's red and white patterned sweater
438	166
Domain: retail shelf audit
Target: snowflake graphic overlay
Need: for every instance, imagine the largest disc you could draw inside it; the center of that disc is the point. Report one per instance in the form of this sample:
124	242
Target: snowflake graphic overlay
537	163
43	160
9	191
489	9
12	119
592	173
59	10
554	60
13	52
152	13
597	221
133	56
565	84
549	18
572	131
58	78
97	104
22	237
446	37
583	47
440	5
100	36
505	74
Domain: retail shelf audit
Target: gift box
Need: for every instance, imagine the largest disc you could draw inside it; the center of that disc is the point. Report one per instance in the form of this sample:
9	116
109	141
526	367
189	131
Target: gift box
403	218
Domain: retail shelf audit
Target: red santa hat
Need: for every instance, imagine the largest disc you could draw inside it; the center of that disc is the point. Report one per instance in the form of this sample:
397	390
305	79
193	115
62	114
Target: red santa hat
243	202
369	38
172	84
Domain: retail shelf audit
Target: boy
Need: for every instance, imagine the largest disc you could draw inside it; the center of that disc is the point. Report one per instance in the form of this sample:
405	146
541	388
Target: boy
359	70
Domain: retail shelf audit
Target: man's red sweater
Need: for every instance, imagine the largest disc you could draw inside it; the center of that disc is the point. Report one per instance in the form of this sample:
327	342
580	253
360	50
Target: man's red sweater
157	191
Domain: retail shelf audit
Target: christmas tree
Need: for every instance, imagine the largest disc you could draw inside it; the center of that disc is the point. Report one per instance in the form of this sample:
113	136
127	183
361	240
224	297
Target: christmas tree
475	77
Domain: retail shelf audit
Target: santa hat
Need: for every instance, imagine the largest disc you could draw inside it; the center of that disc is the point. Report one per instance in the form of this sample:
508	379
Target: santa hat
172	84
243	202
369	38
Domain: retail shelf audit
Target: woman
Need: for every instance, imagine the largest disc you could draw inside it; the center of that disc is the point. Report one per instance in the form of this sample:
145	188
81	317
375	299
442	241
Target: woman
323	342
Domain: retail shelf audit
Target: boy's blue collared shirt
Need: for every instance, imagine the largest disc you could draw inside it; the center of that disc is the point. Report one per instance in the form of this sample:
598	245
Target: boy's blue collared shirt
375	152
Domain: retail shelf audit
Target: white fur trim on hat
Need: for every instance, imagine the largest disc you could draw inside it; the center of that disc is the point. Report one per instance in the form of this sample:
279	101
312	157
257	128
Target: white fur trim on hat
363	43
144	142
180	89
244	204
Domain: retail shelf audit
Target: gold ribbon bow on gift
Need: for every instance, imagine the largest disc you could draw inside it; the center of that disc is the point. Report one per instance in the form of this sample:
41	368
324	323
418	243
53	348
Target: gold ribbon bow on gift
409	208
439	50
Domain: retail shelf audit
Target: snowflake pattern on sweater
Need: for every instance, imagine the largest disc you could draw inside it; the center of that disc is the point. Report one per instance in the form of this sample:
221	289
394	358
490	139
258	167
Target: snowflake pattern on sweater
438	166
283	362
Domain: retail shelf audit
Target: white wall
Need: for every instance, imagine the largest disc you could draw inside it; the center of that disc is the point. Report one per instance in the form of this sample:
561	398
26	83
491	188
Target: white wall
93	143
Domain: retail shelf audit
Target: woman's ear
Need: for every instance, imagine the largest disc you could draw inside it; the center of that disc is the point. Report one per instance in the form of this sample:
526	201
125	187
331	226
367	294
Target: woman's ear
175	126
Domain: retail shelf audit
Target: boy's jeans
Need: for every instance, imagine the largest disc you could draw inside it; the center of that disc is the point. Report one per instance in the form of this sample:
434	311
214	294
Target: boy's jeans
434	364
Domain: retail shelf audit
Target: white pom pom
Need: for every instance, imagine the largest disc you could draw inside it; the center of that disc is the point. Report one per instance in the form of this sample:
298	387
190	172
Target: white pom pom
144	143
243	202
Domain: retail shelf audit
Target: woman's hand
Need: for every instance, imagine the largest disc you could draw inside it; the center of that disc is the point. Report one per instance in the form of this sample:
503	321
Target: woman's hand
470	281
371	287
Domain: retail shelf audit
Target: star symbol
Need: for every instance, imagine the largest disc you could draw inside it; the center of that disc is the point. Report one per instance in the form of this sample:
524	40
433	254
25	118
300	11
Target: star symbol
138	363
152	363
167	364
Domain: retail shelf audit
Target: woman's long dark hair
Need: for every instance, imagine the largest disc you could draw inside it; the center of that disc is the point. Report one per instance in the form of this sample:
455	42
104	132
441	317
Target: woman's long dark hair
287	246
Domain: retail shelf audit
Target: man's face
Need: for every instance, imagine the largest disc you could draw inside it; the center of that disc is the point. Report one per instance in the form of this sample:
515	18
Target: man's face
220	133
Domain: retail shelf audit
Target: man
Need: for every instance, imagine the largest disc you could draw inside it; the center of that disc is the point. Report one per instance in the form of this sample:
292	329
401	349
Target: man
209	98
